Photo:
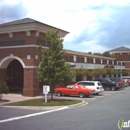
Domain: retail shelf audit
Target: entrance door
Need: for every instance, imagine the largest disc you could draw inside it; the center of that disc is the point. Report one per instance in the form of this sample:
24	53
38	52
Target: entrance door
14	76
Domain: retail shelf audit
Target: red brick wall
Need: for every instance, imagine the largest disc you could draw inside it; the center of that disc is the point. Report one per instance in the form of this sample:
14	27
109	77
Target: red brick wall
23	36
122	57
3	75
31	83
22	53
127	65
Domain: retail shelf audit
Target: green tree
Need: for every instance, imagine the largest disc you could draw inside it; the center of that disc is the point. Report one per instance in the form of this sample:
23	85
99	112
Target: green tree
107	54
53	69
99	54
89	52
3	89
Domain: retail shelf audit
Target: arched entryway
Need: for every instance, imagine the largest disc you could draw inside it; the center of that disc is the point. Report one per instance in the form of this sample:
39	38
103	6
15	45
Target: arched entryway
14	76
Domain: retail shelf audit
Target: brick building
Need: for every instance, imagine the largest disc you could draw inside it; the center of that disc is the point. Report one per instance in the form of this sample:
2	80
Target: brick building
19	59
122	54
19	53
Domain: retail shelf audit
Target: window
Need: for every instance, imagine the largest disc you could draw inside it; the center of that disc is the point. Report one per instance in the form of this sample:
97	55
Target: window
88	83
94	60
85	59
113	62
101	60
74	58
107	61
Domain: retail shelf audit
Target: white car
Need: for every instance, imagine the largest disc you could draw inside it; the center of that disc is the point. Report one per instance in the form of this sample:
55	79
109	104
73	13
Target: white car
94	85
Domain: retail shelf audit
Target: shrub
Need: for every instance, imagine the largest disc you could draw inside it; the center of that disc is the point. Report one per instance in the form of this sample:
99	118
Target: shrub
3	88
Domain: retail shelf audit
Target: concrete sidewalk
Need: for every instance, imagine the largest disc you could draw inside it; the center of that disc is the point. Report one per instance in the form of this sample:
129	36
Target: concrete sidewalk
16	97
11	97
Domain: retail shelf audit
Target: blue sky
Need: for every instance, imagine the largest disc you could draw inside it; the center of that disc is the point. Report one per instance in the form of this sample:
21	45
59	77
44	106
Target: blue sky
94	26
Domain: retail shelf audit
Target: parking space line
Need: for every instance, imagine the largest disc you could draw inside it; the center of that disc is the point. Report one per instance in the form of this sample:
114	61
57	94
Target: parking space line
30	115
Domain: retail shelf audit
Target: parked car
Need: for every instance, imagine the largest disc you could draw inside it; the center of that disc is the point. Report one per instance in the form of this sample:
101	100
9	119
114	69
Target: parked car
108	84
118	80
79	90
126	80
96	85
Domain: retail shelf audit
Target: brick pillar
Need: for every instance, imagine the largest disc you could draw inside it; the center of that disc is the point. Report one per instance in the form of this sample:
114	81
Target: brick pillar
3	75
31	83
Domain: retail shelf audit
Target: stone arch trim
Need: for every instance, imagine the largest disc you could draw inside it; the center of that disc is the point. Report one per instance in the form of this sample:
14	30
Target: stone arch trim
5	61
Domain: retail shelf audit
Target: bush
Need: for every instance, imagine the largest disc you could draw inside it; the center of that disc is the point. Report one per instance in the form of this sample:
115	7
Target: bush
4	88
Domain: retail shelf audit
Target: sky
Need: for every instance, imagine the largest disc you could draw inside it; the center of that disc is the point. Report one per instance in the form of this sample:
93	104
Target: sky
94	26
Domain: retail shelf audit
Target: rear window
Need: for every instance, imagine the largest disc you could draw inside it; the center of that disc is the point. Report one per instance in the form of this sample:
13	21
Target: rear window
88	83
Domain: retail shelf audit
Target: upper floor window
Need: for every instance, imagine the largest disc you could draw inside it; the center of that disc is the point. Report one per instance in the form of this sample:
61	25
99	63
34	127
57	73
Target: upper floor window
107	61
85	59
74	58
113	62
101	61
94	60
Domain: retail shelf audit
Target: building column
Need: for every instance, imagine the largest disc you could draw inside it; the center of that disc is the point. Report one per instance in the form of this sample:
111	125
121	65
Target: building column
74	79
31	83
3	75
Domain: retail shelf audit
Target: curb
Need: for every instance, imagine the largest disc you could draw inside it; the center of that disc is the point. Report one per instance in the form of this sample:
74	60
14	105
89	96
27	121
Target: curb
47	107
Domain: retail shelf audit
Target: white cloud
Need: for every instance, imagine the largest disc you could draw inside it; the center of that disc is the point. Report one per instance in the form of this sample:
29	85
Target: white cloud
87	21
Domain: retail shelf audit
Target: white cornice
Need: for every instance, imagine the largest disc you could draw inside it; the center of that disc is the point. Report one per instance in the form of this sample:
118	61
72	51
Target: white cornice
123	61
119	51
31	26
88	55
21	46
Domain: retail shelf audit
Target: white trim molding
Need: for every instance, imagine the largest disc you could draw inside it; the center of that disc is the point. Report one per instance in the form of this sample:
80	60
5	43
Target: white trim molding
5	61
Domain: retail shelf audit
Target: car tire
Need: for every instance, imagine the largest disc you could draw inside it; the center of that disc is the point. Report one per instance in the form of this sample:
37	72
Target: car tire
113	88
81	95
59	94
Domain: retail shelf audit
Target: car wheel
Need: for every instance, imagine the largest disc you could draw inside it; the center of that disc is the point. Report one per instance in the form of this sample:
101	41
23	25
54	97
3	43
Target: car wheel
81	95
113	88
96	93
59	94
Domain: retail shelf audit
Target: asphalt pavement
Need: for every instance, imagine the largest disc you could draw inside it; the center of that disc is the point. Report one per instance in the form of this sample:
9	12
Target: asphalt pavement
103	112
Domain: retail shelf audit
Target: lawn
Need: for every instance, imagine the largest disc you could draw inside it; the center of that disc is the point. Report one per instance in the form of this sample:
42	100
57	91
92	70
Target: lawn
41	102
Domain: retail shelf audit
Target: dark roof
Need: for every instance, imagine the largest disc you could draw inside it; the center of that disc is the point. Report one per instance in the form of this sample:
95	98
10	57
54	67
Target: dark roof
122	48
27	20
21	21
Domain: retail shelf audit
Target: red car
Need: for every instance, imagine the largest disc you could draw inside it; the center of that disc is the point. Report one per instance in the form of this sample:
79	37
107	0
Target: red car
79	90
126	80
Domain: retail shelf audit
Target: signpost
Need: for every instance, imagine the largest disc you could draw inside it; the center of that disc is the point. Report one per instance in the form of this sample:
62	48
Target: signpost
46	89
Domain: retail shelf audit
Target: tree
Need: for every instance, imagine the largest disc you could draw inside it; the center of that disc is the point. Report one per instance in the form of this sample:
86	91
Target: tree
89	52
99	54
3	89
53	69
107	54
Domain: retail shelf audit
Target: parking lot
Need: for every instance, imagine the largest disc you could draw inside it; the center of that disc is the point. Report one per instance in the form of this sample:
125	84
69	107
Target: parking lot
97	112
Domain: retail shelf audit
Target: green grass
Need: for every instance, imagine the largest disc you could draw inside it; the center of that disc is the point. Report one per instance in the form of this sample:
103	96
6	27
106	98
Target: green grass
41	102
